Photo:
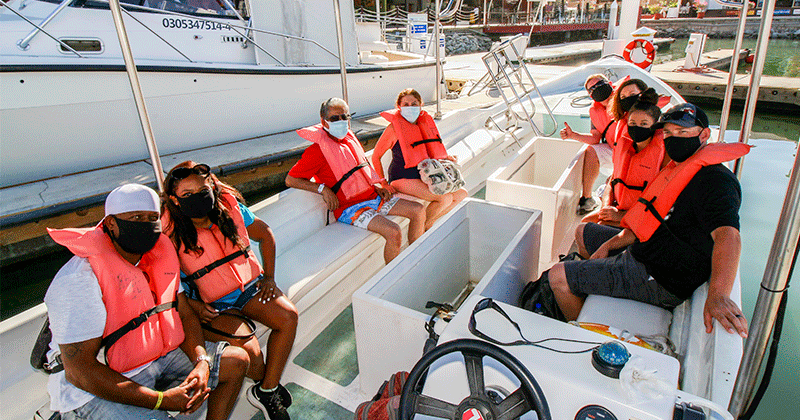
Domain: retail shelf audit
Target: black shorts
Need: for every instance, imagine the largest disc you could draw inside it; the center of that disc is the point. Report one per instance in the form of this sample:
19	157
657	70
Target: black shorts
595	235
619	276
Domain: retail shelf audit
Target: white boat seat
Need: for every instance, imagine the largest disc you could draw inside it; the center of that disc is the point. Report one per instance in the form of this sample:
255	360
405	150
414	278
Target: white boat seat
636	317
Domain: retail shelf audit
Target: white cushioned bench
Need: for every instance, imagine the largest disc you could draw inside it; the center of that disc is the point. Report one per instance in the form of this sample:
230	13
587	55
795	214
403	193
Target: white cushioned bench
638	318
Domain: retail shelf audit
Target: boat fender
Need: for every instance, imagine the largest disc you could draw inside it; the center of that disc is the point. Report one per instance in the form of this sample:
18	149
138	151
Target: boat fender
649	50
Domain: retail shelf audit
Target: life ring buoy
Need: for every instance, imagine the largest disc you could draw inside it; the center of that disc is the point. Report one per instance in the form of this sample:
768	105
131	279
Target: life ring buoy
649	50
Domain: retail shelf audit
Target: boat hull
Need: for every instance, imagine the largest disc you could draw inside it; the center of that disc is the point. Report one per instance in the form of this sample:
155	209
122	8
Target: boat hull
87	119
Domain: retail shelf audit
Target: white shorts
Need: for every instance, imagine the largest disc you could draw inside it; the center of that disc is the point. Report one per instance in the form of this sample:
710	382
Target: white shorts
605	154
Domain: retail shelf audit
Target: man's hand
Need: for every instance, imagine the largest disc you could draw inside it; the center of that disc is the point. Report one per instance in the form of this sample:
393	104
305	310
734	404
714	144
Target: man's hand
566	132
197	381
184	398
383	192
330	198
610	214
452	158
724	310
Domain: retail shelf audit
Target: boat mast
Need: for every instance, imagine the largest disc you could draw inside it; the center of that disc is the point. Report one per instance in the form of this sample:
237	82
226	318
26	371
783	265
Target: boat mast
138	97
737	46
755	78
438	114
337	14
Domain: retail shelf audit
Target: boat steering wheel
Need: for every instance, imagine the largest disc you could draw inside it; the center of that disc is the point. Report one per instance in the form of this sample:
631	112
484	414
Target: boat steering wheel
478	404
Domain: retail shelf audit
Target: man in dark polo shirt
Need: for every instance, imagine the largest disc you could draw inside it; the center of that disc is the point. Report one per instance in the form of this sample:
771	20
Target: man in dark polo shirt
698	240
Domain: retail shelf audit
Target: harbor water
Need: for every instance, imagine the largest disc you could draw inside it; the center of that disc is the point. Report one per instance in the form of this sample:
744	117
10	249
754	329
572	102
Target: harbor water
764	183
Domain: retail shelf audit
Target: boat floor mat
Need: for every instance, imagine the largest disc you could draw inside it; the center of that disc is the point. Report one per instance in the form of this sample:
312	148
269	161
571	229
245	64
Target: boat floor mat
332	353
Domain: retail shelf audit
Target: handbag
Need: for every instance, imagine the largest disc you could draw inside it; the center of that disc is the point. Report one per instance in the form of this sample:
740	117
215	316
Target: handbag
442	176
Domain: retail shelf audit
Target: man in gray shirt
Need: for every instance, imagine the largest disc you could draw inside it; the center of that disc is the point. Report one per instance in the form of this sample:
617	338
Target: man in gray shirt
120	293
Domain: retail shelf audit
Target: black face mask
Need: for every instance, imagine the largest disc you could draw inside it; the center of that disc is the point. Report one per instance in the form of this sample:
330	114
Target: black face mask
625	104
198	204
680	148
601	92
640	134
137	237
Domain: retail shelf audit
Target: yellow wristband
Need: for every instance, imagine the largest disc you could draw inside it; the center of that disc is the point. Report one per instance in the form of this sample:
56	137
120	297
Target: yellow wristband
160	398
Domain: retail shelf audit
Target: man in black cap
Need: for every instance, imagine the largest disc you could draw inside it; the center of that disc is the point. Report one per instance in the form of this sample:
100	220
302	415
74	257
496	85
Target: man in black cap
683	232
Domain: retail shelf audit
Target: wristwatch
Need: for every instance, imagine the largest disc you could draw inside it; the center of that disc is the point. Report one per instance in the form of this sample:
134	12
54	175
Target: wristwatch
202	358
320	188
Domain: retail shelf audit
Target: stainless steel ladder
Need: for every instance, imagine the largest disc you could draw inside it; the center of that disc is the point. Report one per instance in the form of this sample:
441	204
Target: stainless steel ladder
506	69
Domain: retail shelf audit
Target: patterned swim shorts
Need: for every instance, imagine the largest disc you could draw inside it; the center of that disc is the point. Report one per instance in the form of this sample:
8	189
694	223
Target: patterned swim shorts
359	215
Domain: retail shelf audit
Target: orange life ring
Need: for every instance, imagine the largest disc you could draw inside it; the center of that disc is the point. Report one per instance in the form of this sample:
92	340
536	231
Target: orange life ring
649	49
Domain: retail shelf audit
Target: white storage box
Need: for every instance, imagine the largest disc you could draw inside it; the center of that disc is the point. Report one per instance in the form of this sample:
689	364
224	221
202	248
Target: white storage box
490	246
546	175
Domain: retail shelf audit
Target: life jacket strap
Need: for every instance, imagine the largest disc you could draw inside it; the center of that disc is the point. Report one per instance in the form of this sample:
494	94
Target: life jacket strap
112	338
605	130
616	181
648	204
417	143
207	269
336	187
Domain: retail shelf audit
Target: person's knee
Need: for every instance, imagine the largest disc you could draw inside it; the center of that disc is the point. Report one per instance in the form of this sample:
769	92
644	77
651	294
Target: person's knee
558	279
393	235
579	234
416	210
287	318
460	195
235	361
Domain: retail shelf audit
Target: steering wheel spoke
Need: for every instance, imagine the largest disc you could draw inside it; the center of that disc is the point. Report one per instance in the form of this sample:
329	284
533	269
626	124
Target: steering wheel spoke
430	406
513	406
474	365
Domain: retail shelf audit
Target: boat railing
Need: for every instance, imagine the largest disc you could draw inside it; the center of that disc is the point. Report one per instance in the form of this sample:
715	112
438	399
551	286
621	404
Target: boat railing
506	70
245	30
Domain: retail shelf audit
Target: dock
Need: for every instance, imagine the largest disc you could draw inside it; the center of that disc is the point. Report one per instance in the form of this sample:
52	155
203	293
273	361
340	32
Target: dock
709	85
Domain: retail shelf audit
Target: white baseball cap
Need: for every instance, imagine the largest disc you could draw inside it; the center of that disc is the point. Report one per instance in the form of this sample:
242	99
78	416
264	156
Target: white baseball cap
132	197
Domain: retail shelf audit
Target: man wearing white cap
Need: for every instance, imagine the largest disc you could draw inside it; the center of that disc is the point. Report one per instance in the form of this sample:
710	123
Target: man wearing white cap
121	294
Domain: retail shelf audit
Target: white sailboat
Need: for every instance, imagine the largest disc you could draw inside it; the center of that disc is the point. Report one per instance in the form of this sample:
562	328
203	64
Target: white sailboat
497	248
210	76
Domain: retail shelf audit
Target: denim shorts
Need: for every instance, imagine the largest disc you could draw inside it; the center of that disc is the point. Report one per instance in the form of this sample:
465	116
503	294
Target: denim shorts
237	298
164	373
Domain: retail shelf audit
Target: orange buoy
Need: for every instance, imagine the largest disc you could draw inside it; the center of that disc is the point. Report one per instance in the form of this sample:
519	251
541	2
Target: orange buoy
649	51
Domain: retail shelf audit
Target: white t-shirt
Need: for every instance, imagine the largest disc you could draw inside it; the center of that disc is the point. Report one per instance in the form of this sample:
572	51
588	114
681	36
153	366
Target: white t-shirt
77	313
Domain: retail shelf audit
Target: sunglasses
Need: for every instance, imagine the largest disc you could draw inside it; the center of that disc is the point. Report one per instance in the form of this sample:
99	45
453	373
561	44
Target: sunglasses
595	86
200	169
340	117
682	116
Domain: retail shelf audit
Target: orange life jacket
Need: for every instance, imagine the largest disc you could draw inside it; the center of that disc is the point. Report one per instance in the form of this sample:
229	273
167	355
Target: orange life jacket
620	130
602	122
418	141
634	171
122	285
648	213
213	276
346	159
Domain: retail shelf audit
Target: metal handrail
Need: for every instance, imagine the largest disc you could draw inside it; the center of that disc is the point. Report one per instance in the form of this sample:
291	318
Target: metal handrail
40	30
23	43
501	51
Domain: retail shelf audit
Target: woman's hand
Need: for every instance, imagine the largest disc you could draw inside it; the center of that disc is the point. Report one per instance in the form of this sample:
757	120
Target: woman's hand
267	290
205	312
611	214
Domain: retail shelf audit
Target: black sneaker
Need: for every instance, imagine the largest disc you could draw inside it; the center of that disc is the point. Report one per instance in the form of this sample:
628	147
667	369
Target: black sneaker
586	205
286	397
268	402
